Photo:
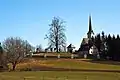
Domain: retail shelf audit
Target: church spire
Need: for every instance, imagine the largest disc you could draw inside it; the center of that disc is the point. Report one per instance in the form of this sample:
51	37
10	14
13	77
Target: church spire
90	32
90	24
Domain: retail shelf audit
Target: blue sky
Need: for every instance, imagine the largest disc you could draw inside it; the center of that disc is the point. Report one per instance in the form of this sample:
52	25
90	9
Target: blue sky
29	19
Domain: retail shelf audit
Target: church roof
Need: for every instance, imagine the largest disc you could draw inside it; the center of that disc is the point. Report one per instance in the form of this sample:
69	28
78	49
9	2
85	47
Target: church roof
90	25
93	46
85	41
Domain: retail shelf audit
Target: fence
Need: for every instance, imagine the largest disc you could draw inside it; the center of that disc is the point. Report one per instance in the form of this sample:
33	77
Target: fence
54	55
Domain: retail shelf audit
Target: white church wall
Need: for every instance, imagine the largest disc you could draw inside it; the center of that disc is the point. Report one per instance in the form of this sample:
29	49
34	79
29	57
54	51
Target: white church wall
93	50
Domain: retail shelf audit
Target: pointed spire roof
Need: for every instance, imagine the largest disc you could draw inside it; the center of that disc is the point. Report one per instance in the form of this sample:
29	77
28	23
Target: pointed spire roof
90	25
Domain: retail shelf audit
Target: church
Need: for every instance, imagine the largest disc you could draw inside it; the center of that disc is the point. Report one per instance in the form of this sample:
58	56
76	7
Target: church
87	47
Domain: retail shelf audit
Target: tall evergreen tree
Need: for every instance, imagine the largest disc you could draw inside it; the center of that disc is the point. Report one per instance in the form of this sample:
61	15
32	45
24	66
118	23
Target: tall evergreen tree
98	42
118	37
117	48
103	55
109	44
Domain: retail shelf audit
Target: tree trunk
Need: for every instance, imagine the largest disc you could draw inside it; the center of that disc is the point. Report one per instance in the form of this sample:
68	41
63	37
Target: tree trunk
14	66
57	47
57	44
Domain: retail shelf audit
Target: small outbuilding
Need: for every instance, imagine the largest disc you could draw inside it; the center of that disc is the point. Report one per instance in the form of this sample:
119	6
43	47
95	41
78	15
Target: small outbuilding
70	48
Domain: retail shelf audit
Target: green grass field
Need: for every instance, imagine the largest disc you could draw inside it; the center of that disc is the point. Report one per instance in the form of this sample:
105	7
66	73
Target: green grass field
65	75
53	75
74	64
78	64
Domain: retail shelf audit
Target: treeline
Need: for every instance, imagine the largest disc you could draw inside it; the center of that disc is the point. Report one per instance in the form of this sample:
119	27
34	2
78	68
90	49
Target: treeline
108	46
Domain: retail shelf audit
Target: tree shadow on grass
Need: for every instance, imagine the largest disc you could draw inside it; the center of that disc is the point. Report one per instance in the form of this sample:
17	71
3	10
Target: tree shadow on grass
109	62
44	68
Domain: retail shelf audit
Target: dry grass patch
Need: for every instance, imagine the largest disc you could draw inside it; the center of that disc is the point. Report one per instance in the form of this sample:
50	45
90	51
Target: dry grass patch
69	64
32	63
54	75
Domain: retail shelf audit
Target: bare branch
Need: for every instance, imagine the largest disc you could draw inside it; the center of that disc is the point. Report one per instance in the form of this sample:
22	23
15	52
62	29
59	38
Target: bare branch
15	49
56	35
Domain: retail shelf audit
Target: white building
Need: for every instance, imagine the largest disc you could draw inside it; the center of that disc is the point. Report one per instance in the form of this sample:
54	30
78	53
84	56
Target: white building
93	50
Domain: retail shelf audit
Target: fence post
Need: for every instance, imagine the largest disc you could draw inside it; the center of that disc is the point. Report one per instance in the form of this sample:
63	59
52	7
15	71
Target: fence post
85	55
98	56
31	54
45	55
72	56
58	56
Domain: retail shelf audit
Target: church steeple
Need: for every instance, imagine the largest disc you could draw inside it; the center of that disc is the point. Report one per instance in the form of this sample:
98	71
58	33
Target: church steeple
90	32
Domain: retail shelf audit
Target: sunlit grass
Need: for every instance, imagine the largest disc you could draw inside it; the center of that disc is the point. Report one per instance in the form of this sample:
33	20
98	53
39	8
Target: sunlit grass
53	75
70	63
64	75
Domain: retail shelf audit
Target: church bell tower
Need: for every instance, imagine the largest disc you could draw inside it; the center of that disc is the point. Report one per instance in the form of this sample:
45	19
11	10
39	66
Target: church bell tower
90	32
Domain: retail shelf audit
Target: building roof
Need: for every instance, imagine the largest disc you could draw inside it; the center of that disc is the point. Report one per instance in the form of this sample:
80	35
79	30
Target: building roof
93	46
85	41
71	46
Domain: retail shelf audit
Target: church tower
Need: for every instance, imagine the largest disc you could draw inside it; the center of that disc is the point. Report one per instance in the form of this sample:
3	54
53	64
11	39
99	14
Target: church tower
90	32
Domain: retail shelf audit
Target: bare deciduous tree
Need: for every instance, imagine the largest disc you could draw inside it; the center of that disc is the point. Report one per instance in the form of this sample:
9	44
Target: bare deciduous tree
3	62
15	49
56	35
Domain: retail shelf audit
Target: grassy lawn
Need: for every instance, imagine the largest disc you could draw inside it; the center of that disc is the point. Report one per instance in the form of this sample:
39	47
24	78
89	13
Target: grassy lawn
64	75
78	64
52	75
73	64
